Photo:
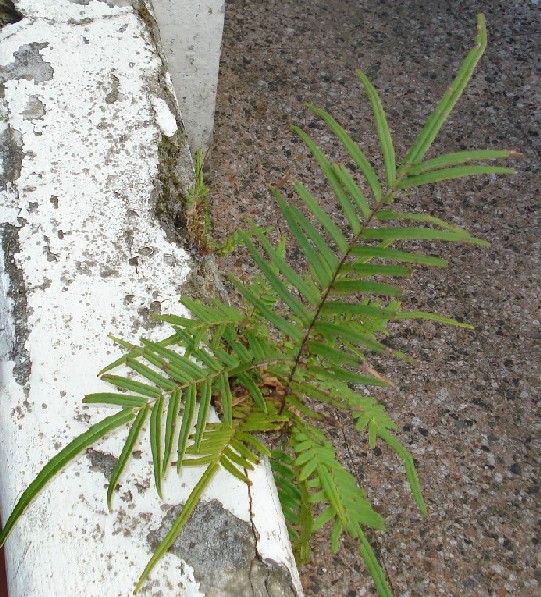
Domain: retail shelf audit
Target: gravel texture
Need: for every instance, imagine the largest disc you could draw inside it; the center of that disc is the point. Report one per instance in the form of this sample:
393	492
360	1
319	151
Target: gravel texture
468	412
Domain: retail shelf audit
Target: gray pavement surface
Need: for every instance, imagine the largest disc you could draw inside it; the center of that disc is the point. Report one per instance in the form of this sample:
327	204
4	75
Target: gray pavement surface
469	412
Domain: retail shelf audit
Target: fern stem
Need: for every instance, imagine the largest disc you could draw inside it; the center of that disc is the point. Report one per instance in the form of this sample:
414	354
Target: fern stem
309	329
385	199
389	197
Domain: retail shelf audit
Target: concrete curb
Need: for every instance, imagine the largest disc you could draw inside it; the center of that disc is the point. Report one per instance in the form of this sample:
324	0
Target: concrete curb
191	34
95	148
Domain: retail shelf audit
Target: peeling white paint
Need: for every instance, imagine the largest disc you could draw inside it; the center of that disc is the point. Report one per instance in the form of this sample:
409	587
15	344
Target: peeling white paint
94	261
92	258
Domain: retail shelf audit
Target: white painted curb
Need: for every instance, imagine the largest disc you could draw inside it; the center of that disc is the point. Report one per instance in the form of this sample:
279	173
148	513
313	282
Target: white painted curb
86	107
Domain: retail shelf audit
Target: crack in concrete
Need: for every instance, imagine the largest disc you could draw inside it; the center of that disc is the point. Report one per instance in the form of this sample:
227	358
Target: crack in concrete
252	515
268	578
175	177
175	167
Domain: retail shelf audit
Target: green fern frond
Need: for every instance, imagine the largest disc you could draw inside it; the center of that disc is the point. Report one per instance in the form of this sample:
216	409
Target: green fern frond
354	151
386	215
125	383
295	502
126	453
431	317
333	485
398	234
186	424
299	344
318	213
434	176
156	442
407	458
386	254
305	290
125	400
173	406
382	128
345	503
376	571
67	454
440	114
461	157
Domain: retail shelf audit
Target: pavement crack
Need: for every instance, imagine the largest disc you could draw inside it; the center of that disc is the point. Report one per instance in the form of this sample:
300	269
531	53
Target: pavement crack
252	523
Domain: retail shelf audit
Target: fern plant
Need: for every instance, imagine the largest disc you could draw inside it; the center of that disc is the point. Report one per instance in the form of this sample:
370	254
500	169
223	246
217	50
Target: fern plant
297	341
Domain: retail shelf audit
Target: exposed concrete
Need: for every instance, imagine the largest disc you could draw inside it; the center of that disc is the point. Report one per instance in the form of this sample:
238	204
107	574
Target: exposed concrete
95	150
191	36
223	553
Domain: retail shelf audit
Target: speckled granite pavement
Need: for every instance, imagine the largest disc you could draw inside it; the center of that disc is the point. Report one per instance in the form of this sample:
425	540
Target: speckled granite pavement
469	412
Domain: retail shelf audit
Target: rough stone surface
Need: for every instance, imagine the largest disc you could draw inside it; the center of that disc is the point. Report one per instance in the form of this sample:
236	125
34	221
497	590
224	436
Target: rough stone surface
469	412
